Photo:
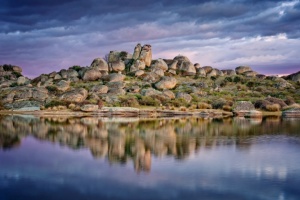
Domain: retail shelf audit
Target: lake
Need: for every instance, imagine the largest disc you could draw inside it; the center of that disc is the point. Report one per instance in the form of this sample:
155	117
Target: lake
131	158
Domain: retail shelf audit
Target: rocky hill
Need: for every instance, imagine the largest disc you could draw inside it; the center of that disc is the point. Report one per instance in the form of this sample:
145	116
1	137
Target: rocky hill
135	80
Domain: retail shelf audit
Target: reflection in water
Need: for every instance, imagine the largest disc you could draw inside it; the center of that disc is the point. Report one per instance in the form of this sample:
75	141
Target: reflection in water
137	140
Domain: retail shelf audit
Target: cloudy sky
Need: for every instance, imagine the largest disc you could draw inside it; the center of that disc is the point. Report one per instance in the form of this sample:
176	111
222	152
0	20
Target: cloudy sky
43	36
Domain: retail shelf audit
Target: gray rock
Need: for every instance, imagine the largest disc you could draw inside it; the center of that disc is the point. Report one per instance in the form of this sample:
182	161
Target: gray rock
116	77
89	108
160	64
99	64
91	74
150	92
166	83
118	66
242	69
99	89
57	77
185	96
169	94
21	80
63	85
76	95
139	73
187	69
151	77
207	69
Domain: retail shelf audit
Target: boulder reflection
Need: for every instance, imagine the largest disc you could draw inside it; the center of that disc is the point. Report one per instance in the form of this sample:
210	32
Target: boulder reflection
137	140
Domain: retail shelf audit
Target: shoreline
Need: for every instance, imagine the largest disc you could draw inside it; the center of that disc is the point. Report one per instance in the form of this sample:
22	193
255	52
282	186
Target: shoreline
144	112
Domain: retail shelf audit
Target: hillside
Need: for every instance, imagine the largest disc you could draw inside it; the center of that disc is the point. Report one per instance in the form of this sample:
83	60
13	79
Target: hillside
136	80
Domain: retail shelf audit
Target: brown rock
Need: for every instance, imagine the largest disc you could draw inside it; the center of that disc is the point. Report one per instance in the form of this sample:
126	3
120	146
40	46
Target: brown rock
166	83
76	95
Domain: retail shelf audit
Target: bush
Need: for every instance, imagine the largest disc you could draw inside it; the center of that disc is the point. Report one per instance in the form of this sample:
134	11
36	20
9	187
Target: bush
55	103
273	107
261	104
52	88
149	101
218	104
128	101
13	84
17	74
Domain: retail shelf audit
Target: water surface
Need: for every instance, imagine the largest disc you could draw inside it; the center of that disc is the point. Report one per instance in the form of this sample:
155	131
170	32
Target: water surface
187	158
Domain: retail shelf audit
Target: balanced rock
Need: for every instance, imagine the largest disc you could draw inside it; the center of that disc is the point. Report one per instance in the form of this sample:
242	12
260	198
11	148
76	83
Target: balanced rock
166	83
99	64
137	51
76	95
146	54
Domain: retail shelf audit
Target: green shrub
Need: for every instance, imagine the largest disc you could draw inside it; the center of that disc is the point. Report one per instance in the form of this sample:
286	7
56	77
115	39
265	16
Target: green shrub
17	74
51	88
13	84
218	104
128	101
149	101
54	103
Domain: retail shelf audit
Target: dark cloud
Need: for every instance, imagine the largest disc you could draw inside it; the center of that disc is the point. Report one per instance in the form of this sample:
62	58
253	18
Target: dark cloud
48	35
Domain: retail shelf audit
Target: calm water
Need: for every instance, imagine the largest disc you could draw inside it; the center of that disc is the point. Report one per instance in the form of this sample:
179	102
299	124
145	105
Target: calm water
190	158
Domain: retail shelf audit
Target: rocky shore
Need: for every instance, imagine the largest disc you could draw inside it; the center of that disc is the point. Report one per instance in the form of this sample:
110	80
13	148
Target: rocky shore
161	86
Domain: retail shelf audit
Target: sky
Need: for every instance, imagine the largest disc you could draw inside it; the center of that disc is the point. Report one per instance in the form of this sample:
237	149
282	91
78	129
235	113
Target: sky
42	36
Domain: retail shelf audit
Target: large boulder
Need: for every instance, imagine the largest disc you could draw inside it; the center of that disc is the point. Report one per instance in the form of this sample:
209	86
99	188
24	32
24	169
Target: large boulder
39	94
76	95
137	65
207	69
151	77
201	72
180	59
169	94
242	69
63	85
99	64
91	74
116	77
184	96
99	89
160	64
146	55
118	66
22	80
294	112
150	92
23	105
250	74
137	51
187	69
166	83
212	73
158	71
